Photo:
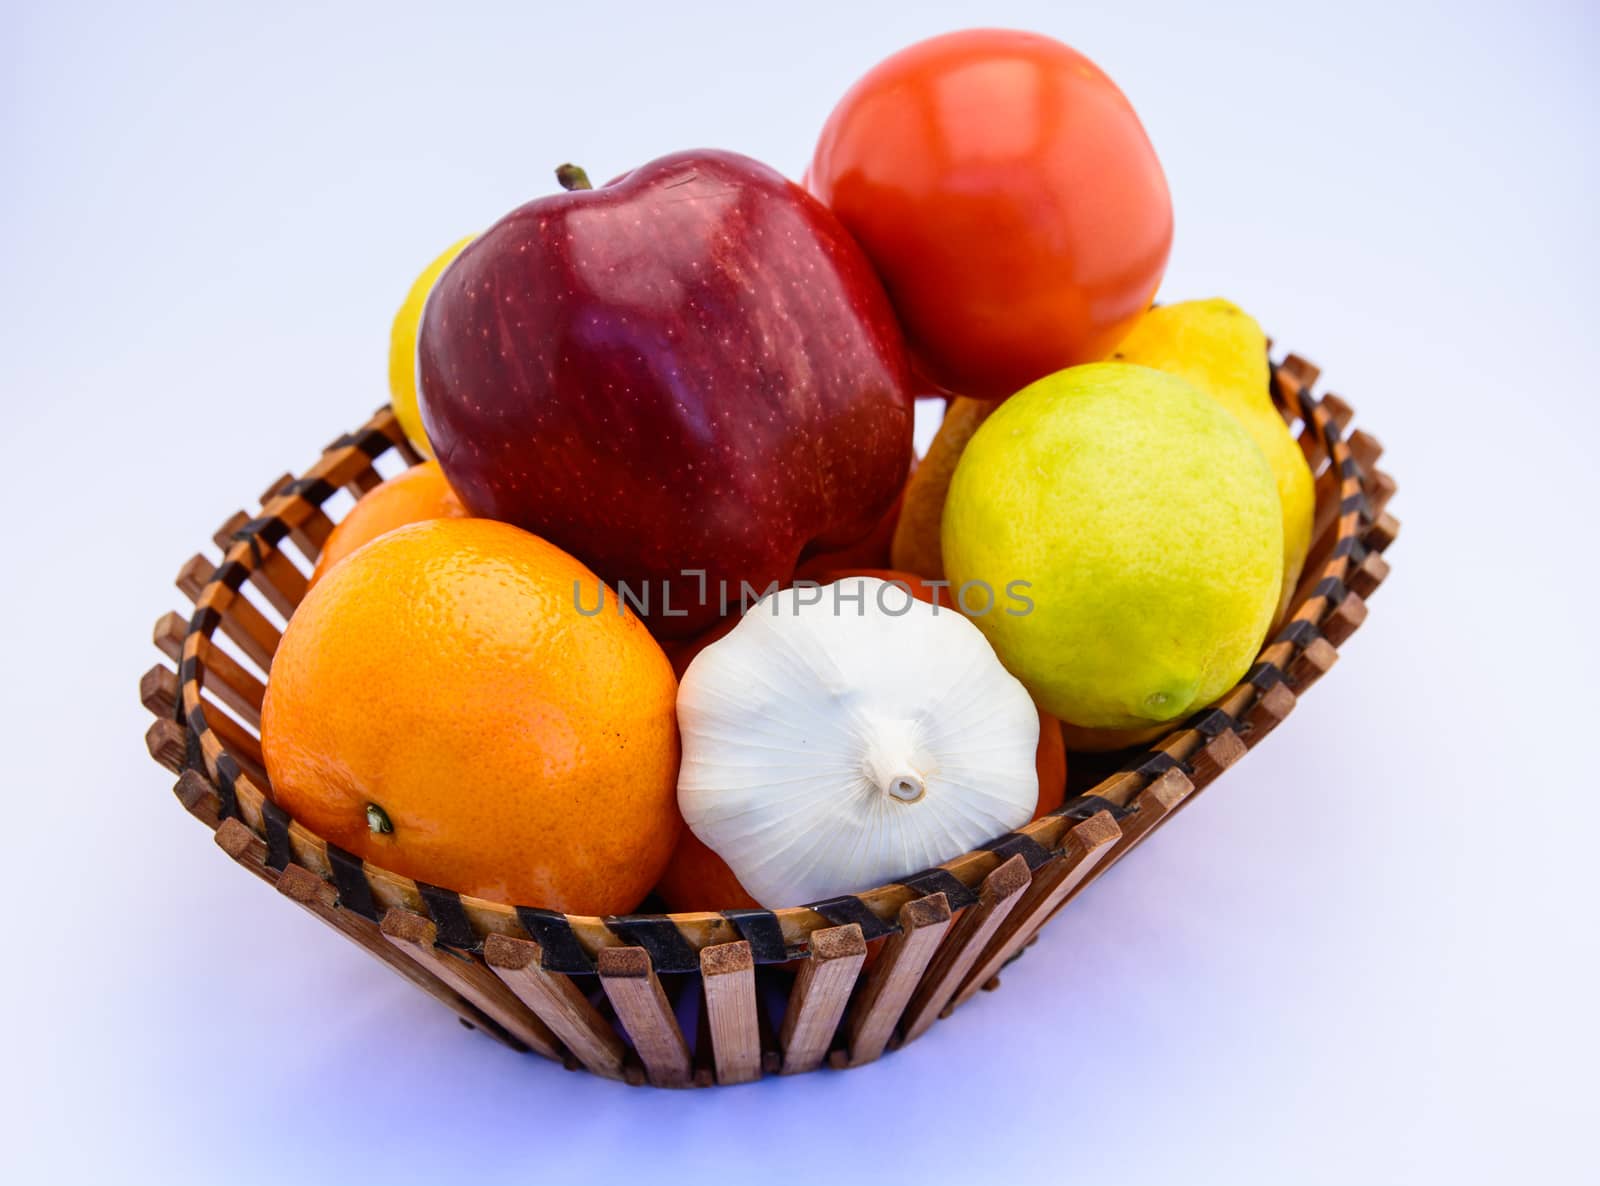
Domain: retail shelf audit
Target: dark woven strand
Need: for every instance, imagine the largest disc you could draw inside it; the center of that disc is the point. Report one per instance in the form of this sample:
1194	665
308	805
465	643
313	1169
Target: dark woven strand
231	575
315	491
1299	632
276	821
760	929
941	881
444	907
1012	843
558	943
1263	675
1210	722
1082	807
658	935
350	879
851	908
1331	436
1330	587
1154	764
266	531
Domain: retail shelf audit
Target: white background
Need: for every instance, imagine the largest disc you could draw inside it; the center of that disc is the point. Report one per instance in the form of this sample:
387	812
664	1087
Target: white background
1366	956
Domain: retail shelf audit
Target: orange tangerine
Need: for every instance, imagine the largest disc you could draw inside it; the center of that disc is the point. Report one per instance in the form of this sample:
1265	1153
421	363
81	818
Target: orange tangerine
440	707
419	494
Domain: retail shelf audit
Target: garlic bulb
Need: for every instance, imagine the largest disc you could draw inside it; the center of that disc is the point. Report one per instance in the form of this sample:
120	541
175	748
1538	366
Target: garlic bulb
844	737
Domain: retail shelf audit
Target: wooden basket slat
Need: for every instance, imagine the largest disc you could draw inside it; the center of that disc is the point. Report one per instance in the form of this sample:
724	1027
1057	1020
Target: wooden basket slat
232	685
1345	619
417	937
1381	532
310	530
1381	490
168	635
1305	372
1368	575
342	464
559	1003
1325	516
364	480
888	986
246	849
1216	755
158	691
1290	383
728	973
1267	713
277	577
1323	567
199	798
318	898
821	991
240	621
1313	444
1365	448
1310	665
1332	521
167	744
276	487
1338	410
1153	805
631	985
1087	844
244	745
964	943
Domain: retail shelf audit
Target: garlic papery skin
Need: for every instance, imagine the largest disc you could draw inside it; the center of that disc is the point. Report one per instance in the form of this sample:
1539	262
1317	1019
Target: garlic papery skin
835	744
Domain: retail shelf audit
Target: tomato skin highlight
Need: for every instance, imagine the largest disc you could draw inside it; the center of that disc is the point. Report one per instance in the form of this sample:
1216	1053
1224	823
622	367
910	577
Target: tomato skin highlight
1009	198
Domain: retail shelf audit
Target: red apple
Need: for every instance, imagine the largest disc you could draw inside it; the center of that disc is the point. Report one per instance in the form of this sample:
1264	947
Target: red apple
691	369
870	551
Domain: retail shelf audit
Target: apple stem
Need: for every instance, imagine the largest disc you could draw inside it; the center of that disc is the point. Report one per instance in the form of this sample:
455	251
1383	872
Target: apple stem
572	177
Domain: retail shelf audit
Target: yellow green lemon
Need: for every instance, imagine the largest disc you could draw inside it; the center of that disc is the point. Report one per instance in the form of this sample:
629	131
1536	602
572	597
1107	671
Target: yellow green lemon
1145	522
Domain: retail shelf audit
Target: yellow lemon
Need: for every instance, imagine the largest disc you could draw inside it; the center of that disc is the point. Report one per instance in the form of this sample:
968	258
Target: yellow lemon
403	350
1220	348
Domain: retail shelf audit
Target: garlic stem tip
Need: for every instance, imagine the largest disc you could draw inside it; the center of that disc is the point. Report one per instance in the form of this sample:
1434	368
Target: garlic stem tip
907	788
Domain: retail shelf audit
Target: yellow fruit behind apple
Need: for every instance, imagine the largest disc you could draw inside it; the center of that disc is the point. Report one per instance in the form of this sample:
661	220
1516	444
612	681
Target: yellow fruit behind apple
403	350
1220	349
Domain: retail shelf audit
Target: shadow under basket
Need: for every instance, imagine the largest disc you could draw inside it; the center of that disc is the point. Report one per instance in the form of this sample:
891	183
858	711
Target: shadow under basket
680	1000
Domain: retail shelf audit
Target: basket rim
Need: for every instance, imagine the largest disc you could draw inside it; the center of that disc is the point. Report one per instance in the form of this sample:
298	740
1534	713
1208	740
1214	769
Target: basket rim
1187	758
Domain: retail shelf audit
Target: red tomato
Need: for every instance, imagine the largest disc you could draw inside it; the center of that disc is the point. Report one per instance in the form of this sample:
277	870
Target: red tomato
1010	199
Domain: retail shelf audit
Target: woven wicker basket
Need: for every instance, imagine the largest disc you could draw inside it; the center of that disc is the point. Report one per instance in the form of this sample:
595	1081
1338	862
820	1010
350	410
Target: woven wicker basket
693	999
